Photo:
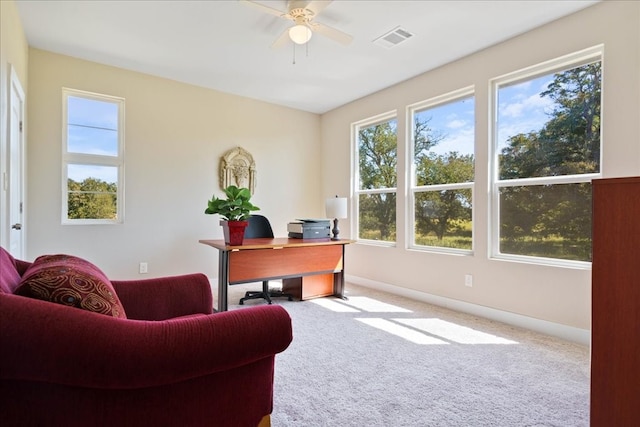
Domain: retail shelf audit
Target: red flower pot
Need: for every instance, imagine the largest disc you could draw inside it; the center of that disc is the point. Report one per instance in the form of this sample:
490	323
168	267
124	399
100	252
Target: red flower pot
234	232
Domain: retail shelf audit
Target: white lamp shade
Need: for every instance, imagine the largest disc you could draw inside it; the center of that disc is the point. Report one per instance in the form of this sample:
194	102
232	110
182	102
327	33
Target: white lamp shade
300	34
336	207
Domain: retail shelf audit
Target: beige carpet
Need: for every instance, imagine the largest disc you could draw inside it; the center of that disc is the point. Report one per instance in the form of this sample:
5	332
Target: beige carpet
383	360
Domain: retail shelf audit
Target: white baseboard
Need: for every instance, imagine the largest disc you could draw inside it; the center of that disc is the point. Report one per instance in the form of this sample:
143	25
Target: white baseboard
569	333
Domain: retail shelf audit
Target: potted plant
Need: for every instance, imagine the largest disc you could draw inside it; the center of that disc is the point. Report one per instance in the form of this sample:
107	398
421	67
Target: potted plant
235	210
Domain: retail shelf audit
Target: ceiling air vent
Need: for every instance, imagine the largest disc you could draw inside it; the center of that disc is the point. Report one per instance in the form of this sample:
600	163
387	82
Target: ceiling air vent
393	37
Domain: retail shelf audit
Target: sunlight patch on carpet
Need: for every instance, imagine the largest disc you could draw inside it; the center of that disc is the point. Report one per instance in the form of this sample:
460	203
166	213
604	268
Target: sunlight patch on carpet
333	305
408	334
453	332
372	305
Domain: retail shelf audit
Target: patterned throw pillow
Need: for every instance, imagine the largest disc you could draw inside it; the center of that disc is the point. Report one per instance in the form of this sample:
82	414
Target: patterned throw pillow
72	281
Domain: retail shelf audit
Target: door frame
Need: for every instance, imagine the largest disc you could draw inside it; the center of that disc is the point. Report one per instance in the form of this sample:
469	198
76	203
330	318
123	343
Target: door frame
9	186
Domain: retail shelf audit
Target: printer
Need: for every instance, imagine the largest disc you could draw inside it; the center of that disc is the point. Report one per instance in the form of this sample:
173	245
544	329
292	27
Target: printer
309	229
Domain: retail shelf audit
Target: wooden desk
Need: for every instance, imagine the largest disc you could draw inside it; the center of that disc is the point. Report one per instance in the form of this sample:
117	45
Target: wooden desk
308	268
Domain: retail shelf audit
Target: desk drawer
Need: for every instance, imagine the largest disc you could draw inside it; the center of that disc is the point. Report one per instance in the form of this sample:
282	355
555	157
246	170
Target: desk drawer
257	264
307	287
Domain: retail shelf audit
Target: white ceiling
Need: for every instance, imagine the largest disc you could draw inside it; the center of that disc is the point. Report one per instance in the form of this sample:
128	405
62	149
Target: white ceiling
226	45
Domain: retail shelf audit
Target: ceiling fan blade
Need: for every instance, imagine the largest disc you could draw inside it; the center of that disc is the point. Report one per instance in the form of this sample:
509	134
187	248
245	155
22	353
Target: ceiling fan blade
332	33
317	6
267	9
281	40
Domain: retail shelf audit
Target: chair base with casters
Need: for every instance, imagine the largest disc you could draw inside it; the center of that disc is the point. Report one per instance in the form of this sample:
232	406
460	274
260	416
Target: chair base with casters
265	293
260	227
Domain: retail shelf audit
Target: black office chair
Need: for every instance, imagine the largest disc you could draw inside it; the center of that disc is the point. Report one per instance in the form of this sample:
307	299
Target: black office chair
258	227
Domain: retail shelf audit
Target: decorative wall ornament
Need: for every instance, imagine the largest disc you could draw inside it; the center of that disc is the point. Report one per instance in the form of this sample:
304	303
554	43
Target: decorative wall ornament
238	168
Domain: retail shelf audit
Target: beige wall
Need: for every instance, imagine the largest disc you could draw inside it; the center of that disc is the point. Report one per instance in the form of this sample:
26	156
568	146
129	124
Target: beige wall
174	139
555	294
13	54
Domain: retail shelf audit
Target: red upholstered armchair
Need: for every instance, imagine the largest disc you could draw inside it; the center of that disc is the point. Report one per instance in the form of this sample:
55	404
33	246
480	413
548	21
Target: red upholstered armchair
170	362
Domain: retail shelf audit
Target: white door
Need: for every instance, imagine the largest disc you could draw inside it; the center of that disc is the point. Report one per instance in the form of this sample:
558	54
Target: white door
16	168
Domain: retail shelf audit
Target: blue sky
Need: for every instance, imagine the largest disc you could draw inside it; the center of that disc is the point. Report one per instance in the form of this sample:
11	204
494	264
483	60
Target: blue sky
92	129
93	126
455	122
79	173
520	110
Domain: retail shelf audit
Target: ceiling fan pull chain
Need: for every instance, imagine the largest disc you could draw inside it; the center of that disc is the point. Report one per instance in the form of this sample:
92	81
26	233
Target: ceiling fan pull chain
294	54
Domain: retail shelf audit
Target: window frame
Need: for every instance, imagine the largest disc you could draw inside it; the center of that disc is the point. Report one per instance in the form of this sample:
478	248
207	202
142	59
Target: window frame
73	158
357	191
567	62
447	98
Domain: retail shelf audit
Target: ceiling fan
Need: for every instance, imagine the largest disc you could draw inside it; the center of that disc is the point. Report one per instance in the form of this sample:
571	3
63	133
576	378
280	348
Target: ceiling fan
302	14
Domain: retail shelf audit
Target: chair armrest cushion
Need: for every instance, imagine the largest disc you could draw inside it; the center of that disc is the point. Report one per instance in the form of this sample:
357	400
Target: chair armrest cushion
165	297
51	343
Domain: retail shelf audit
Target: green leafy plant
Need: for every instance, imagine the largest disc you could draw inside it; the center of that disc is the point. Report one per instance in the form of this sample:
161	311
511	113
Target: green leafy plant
236	207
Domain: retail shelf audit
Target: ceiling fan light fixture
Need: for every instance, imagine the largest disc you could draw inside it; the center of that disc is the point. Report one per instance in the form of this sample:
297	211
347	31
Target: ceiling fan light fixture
300	34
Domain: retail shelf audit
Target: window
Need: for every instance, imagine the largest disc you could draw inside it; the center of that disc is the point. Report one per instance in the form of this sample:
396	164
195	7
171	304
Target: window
443	137
376	144
93	166
546	152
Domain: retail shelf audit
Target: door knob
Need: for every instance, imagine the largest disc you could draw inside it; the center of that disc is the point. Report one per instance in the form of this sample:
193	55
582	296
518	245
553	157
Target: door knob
17	226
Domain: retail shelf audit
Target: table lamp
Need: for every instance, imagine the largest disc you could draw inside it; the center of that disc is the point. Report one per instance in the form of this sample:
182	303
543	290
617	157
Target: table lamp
336	207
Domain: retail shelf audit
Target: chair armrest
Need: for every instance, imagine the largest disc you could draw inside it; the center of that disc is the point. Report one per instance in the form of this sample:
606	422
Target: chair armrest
165	297
52	343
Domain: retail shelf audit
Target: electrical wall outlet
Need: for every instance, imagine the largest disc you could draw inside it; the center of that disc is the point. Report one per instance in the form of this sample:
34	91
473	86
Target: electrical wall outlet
144	268
468	280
